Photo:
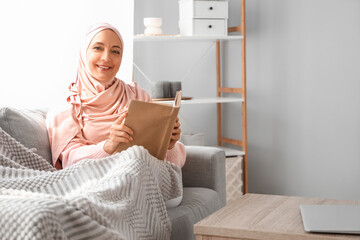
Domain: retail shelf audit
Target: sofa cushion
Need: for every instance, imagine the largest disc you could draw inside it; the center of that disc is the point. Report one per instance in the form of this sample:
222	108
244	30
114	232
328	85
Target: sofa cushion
28	127
197	204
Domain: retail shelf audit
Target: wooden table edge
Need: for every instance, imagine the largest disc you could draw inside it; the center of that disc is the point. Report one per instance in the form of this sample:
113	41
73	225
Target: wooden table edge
258	234
231	233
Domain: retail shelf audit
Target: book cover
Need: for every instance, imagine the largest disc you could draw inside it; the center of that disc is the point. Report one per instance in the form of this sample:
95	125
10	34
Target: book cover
152	124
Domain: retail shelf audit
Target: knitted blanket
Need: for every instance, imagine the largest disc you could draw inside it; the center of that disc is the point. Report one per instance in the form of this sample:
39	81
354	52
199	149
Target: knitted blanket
118	197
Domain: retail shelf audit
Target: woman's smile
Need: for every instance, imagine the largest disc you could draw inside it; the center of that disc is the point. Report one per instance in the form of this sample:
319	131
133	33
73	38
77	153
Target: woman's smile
103	67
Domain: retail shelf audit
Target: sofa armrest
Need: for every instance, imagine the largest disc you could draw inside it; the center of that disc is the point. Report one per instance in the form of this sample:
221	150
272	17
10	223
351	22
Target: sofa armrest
205	167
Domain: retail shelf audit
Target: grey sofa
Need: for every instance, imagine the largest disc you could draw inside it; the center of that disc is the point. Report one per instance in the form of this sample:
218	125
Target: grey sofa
203	173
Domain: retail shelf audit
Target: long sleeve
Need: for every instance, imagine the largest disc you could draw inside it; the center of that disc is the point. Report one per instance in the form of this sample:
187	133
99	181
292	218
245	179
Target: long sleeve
76	151
176	155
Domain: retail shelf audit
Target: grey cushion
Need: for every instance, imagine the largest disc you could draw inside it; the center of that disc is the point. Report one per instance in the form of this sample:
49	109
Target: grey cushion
197	203
28	127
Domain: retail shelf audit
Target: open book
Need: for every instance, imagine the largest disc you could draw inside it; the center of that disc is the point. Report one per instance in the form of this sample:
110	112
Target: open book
152	124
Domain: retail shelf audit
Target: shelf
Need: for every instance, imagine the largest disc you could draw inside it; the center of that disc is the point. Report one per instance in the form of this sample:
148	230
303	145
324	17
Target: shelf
229	152
143	38
206	100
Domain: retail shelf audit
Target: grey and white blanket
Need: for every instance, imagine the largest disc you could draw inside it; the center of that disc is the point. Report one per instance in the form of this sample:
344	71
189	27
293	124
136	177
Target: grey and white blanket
118	197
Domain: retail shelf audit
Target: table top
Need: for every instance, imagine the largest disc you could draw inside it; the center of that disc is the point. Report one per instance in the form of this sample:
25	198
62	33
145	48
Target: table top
258	216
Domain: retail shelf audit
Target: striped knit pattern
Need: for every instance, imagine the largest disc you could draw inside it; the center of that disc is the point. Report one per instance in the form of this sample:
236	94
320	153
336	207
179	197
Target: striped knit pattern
118	197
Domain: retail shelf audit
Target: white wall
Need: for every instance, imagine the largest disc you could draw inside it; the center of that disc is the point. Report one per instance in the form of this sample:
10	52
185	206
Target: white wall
40	43
303	79
304	101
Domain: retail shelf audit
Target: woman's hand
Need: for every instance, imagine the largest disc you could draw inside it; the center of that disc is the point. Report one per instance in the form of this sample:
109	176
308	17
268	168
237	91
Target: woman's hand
119	133
175	134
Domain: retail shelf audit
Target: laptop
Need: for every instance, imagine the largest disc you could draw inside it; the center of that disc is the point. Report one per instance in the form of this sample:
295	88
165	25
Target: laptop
331	218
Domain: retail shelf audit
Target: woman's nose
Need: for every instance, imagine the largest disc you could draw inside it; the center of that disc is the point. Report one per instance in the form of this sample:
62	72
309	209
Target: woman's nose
105	56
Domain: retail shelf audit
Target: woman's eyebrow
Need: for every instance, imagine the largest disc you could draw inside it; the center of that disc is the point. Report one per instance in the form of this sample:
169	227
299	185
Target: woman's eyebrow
115	46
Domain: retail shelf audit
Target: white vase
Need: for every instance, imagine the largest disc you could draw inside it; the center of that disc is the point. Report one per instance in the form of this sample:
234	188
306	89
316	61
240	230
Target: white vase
153	26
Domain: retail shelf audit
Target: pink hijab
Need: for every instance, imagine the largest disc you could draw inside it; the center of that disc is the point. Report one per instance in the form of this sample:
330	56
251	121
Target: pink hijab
92	108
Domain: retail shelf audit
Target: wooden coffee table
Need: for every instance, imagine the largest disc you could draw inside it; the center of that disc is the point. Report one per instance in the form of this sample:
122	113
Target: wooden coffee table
267	217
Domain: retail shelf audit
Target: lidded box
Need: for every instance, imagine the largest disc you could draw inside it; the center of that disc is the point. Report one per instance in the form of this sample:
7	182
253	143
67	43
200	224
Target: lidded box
203	18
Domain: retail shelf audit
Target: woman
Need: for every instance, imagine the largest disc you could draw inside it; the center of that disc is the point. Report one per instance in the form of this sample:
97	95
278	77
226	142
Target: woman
92	124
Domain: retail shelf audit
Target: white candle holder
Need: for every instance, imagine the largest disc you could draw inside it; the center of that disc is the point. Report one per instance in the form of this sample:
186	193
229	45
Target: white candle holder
152	26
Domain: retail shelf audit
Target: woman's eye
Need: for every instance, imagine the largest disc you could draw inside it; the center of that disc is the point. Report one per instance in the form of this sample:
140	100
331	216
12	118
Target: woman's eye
96	48
116	52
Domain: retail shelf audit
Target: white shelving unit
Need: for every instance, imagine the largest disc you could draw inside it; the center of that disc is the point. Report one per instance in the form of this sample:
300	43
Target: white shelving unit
220	90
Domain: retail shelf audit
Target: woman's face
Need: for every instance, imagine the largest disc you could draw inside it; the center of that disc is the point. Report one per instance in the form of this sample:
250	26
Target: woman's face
104	55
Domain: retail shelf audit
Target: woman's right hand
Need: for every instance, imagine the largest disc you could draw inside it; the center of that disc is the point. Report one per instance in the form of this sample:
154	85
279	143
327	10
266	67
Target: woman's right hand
119	133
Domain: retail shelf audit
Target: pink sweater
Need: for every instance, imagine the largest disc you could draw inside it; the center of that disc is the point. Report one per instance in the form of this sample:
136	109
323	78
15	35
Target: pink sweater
75	152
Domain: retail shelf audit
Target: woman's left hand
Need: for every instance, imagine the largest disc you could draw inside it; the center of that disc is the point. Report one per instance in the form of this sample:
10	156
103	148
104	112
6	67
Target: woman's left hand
175	136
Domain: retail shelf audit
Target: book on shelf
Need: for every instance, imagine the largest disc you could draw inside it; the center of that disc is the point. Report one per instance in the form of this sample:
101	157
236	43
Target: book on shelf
152	124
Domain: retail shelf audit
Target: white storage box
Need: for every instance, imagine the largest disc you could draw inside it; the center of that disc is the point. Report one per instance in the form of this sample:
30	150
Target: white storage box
203	27
203	18
203	9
